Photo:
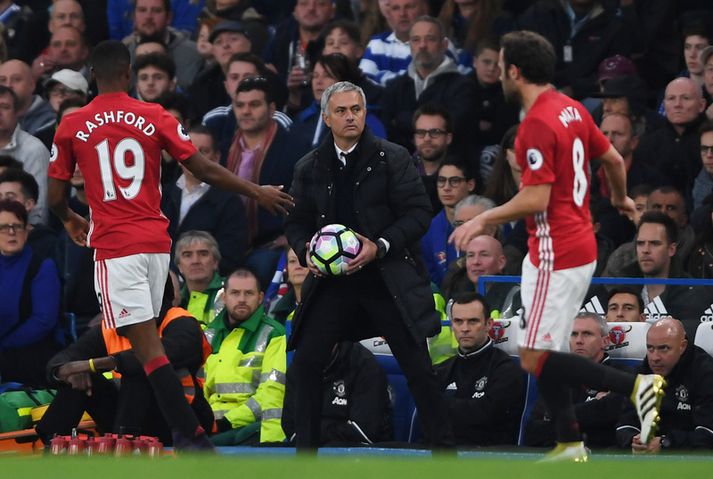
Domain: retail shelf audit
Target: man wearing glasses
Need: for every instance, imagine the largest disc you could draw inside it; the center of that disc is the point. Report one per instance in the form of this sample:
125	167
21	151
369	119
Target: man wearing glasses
703	184
454	182
432	135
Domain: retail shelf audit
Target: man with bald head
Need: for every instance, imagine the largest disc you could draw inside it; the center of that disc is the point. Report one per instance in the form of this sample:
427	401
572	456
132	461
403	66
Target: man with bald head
673	148
687	408
484	256
34	113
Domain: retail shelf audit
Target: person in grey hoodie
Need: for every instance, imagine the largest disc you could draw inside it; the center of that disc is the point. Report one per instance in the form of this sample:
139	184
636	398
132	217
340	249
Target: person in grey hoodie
431	77
151	21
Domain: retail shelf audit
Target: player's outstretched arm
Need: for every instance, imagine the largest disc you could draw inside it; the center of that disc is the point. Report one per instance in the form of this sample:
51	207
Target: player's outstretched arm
272	198
76	226
616	175
529	200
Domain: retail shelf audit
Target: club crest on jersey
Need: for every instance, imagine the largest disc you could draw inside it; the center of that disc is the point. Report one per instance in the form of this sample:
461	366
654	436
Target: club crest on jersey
53	153
182	133
535	159
339	388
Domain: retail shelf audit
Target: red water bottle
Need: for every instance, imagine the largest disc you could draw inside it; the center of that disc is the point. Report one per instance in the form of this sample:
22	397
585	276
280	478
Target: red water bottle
139	446
75	446
123	446
58	445
154	448
90	446
105	444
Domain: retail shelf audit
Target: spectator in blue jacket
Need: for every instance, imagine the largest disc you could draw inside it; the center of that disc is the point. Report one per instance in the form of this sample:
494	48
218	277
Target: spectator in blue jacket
29	301
454	182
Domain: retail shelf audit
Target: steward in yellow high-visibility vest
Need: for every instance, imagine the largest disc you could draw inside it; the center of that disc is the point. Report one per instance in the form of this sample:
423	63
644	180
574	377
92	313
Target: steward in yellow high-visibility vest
245	375
202	304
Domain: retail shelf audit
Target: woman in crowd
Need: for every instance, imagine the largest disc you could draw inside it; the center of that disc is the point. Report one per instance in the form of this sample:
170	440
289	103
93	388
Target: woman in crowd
29	302
296	274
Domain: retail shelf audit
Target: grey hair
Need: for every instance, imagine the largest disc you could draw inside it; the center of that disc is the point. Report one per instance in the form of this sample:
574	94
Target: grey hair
195	236
339	87
475	200
603	326
432	21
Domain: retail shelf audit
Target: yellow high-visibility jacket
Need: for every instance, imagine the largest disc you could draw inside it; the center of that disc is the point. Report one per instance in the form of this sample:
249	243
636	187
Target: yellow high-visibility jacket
245	376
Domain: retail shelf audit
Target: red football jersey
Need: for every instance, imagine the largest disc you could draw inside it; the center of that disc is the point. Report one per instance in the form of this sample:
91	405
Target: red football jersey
554	145
117	142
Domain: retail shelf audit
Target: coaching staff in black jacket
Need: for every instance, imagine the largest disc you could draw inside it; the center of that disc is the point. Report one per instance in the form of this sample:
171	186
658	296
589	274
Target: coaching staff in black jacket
484	388
371	186
356	408
687	408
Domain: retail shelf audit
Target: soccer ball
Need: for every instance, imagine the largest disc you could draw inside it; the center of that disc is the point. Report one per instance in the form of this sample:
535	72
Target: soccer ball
332	249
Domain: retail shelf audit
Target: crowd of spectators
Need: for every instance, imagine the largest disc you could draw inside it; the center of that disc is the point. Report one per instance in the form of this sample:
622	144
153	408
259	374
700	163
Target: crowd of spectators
245	78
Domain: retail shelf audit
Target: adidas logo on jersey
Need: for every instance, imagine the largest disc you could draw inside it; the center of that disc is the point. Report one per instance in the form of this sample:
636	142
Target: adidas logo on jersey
707	314
656	310
124	313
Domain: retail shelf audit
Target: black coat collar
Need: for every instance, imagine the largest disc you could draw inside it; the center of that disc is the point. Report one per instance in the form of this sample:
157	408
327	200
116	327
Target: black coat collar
368	146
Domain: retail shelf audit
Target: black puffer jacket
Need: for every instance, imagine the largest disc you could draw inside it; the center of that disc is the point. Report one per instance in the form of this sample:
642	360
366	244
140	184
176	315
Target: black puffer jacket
389	202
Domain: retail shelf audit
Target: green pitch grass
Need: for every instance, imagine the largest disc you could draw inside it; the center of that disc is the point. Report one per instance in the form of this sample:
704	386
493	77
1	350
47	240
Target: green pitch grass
500	466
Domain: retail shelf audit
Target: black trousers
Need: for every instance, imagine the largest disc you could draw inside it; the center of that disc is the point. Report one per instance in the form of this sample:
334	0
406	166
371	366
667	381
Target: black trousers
338	311
131	409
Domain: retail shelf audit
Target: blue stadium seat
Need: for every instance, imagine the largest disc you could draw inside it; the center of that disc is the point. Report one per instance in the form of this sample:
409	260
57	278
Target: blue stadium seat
402	402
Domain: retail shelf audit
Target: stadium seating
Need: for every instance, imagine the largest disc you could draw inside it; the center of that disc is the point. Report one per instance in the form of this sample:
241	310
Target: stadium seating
627	343
401	398
704	337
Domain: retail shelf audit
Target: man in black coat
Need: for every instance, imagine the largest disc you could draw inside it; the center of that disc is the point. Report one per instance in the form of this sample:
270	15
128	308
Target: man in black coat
673	149
371	186
356	408
687	408
484	388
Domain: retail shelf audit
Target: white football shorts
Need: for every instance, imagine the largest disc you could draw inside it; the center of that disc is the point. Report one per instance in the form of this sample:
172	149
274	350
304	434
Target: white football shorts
551	301
130	288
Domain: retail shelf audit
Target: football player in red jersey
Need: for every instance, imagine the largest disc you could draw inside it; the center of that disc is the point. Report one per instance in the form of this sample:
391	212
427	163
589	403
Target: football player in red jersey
554	145
116	141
